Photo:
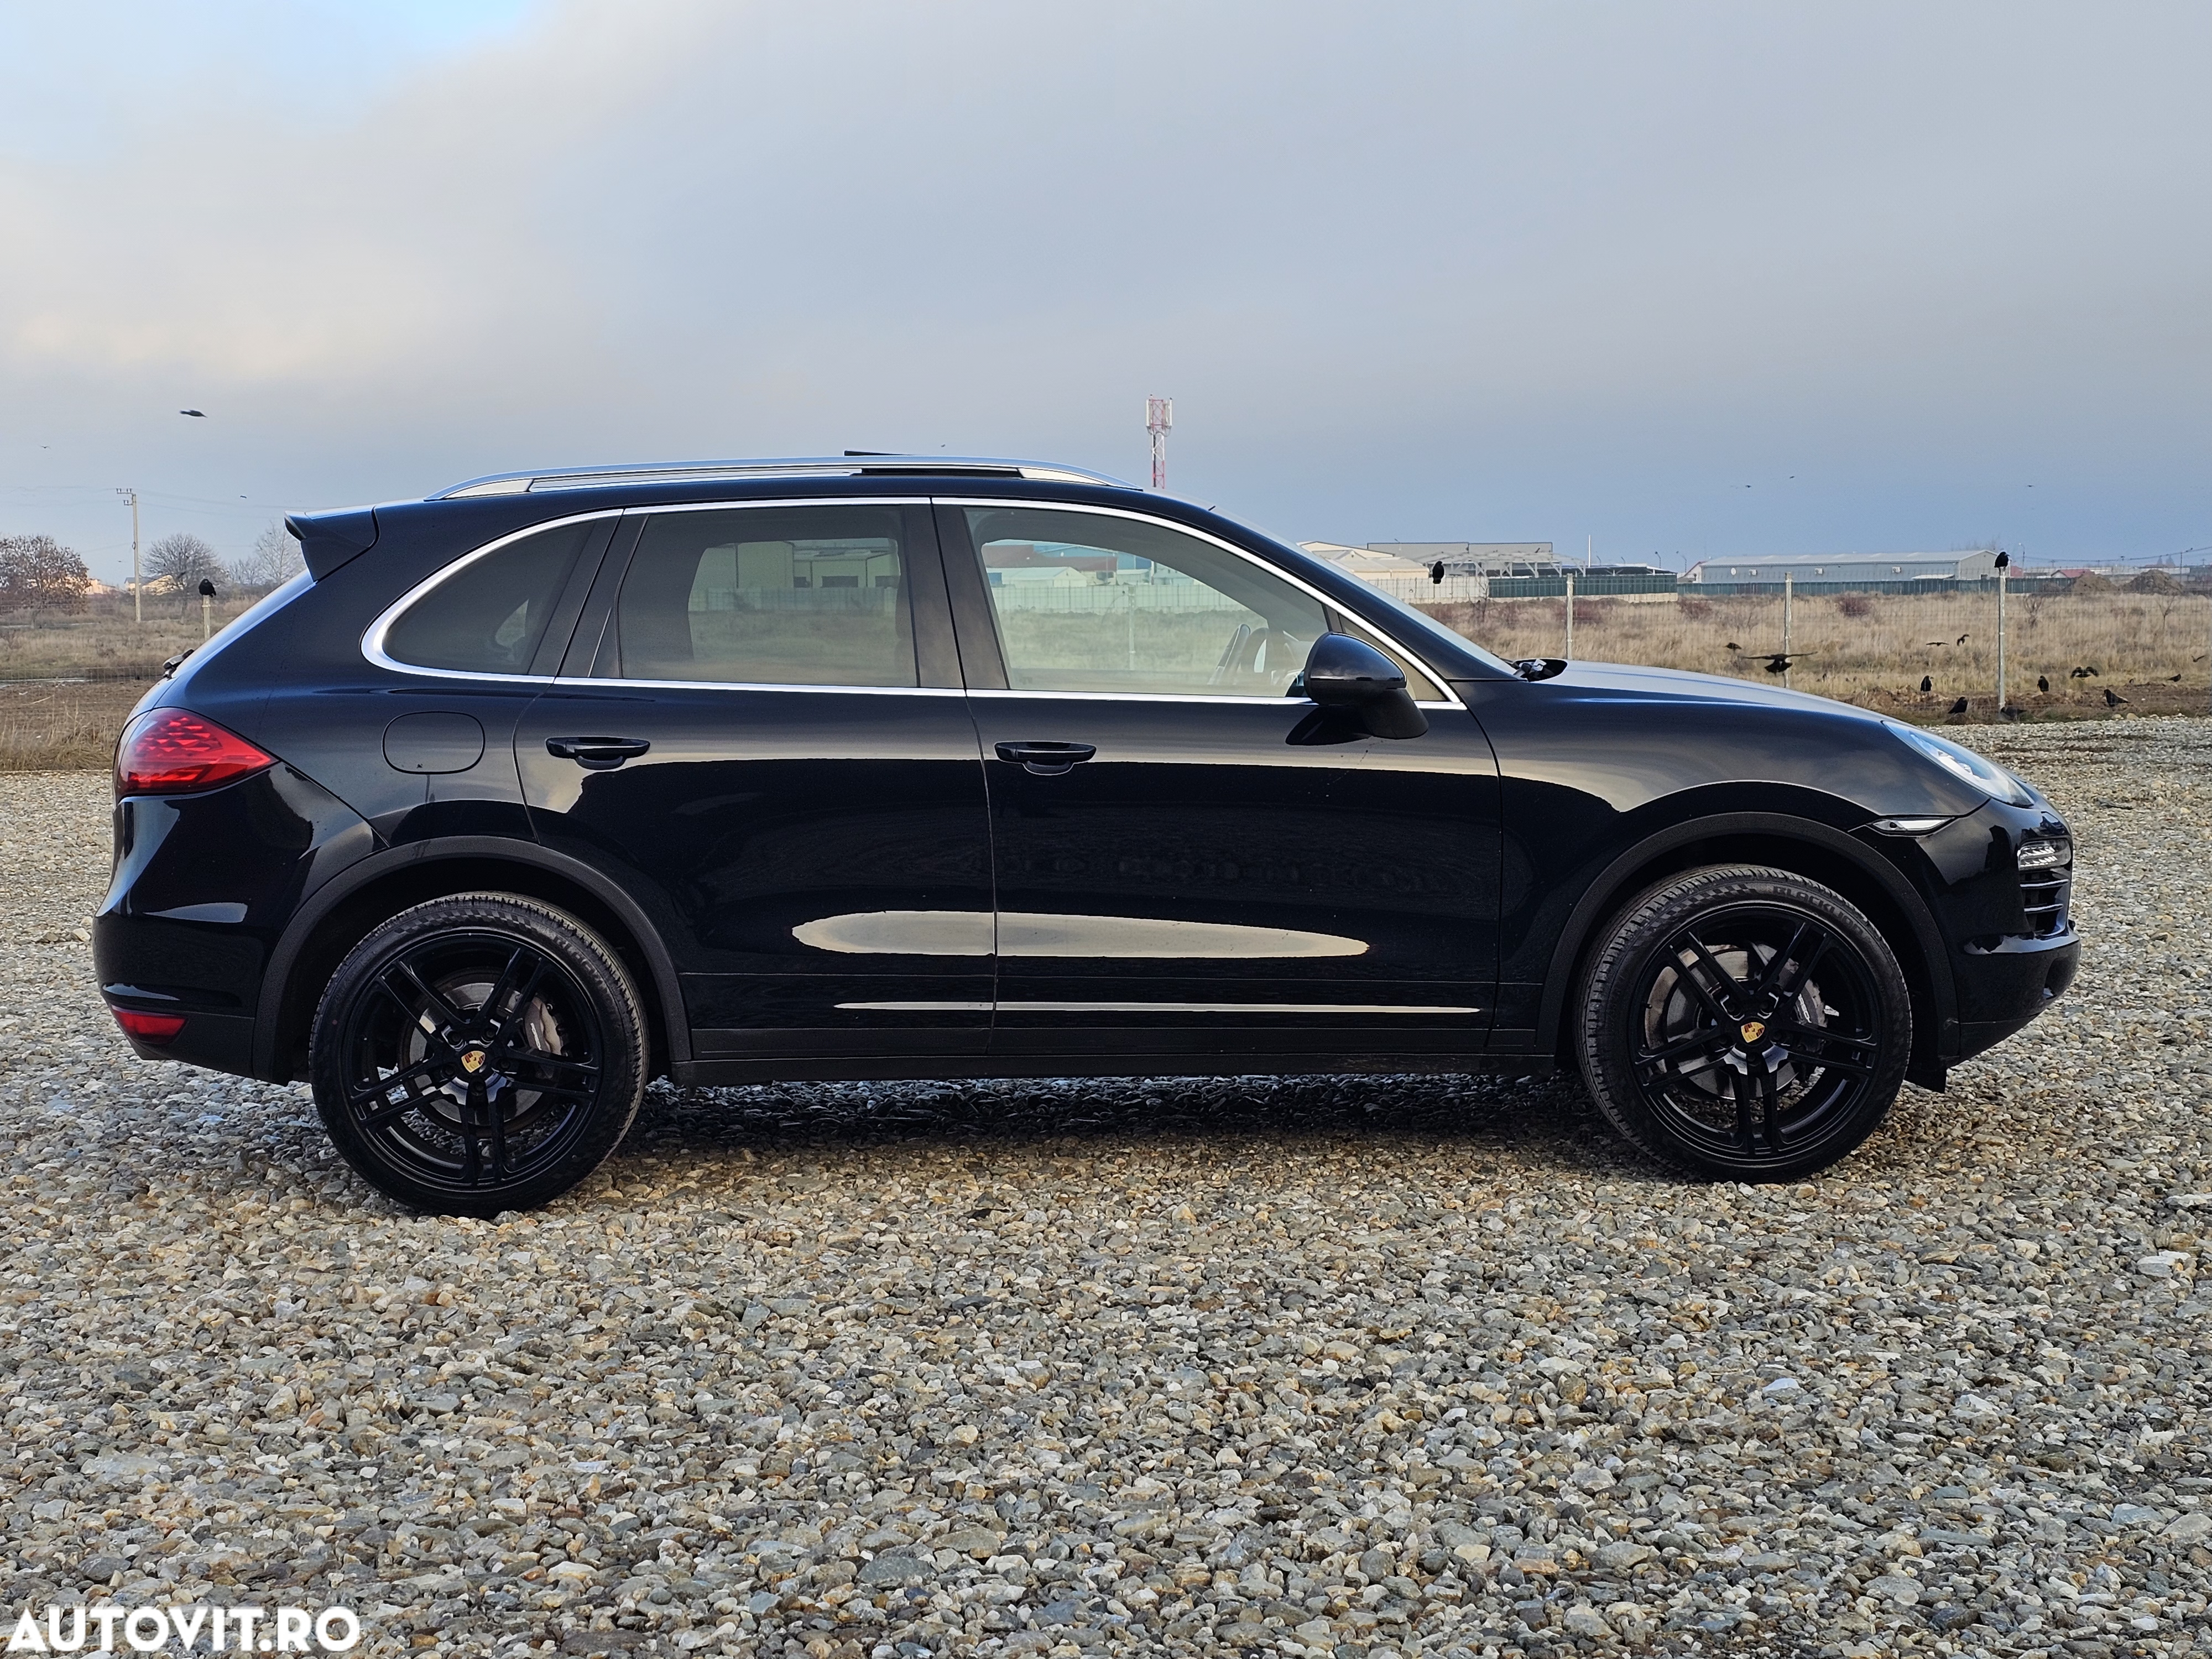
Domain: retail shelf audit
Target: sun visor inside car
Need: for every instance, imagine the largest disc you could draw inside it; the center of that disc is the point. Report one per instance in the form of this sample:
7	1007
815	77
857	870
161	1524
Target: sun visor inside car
328	540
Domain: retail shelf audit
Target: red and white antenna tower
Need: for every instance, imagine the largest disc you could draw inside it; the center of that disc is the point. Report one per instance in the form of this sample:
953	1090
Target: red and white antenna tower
1159	416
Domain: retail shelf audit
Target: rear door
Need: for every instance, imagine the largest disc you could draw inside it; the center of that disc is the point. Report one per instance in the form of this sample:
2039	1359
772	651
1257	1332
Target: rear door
760	731
1187	861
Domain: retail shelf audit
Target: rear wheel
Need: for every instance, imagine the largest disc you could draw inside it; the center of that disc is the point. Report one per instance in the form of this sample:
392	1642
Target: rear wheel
1744	1023
478	1054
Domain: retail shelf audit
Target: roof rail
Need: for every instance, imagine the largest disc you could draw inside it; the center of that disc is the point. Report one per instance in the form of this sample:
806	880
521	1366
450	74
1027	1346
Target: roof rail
856	465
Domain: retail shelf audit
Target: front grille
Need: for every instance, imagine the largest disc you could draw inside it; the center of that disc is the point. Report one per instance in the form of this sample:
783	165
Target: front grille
2044	895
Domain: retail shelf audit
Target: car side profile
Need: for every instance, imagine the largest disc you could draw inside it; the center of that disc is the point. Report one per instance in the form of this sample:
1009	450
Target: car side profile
526	793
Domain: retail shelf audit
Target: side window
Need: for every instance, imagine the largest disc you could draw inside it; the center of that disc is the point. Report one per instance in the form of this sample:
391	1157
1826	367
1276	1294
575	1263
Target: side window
769	596
1087	602
489	616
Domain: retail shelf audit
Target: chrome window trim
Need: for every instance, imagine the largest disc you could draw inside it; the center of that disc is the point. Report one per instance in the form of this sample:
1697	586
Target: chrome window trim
1275	570
572	681
373	640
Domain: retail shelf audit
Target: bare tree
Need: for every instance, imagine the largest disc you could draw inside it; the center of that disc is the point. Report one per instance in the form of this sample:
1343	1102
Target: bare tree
274	560
181	562
39	572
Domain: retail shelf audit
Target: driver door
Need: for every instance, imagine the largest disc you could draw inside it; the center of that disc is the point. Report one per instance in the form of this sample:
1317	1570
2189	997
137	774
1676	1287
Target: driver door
1179	867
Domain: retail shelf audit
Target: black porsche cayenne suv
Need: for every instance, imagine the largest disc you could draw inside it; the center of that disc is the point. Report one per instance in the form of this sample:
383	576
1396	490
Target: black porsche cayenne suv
885	768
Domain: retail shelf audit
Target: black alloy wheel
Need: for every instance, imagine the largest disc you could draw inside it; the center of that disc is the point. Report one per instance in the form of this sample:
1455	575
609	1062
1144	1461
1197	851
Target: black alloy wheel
1744	1023
478	1054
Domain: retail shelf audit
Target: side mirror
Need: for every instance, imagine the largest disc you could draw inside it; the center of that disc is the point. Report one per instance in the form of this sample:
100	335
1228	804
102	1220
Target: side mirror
1355	679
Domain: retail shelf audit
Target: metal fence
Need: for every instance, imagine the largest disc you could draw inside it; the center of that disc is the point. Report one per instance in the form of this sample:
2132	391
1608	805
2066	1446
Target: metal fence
1924	650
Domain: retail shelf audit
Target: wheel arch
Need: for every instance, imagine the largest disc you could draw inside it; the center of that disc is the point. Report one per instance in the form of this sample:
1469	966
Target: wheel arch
343	910
1804	848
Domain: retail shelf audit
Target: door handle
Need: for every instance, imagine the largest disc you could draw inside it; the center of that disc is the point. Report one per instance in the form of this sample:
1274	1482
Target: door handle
1046	759
596	754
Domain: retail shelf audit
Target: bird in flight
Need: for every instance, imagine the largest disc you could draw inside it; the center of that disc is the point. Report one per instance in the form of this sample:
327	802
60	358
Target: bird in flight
1779	662
197	414
2083	674
1963	638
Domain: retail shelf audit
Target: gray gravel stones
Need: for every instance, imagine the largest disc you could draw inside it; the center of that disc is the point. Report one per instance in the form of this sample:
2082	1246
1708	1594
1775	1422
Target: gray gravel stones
1299	1366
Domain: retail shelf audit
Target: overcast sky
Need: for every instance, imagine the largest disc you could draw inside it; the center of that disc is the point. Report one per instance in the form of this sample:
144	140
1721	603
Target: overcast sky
1689	279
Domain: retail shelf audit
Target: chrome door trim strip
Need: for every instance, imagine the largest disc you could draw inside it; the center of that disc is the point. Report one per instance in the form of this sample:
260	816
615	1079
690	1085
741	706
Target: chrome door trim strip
1275	570
1154	1008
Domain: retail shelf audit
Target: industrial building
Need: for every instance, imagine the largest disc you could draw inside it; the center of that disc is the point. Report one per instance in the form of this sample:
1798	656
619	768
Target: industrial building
1862	570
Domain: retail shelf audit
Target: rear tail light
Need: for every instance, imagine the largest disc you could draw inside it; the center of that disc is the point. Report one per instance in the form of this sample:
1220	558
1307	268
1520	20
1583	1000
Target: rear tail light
148	1028
169	750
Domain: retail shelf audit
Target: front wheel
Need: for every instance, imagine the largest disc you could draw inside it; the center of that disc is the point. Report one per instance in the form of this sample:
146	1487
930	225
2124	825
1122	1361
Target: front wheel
478	1054
1743	1022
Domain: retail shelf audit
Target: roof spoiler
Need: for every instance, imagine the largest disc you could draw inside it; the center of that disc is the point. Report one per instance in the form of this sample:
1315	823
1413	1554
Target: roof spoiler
328	540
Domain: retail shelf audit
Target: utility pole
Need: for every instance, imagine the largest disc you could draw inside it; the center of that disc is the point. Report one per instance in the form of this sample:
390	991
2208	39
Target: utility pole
1788	594
1570	652
137	587
1159	418
2004	560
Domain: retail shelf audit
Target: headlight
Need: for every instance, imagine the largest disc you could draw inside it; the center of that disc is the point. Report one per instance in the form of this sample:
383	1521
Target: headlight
1964	764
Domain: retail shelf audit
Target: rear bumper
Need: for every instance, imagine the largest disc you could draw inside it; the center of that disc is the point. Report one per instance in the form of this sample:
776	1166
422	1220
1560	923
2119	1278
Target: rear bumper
203	887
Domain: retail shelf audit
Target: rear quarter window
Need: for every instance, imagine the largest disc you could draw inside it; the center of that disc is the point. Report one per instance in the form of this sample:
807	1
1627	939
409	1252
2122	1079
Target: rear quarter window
489	615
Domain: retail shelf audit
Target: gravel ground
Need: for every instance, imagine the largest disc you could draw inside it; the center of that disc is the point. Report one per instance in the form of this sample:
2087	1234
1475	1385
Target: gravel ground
1303	1366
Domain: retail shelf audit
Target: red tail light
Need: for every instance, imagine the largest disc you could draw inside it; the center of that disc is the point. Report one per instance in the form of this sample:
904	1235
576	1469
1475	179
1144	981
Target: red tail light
170	749
148	1028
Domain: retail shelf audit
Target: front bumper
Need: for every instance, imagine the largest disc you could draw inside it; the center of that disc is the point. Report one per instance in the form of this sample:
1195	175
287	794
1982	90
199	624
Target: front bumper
2001	988
2009	935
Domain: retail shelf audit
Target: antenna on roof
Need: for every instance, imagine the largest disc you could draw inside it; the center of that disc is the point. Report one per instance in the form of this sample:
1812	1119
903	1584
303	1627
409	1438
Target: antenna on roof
1159	418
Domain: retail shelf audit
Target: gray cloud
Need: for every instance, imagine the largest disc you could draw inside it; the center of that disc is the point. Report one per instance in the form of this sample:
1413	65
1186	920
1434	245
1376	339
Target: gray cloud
1511	270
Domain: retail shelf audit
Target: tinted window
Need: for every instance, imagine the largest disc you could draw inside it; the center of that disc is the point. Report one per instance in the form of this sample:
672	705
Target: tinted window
489	616
769	596
1086	601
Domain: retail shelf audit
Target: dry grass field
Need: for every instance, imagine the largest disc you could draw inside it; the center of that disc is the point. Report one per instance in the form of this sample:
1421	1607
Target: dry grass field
68	681
102	642
2153	650
48	726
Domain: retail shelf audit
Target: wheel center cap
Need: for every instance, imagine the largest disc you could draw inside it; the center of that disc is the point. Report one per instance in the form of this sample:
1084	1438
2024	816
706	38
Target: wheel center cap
472	1060
1753	1029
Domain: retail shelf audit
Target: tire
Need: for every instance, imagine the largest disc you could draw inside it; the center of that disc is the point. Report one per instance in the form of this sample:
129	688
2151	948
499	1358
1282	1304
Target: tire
1743	1024
478	1054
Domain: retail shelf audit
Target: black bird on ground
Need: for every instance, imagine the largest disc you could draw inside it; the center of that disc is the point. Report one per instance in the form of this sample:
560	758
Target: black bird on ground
2043	684
1732	646
1959	707
2010	711
2113	699
1927	684
2176	679
2083	674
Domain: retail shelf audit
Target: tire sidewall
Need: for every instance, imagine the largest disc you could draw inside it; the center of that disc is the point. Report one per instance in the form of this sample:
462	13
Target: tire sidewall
1609	1021
597	970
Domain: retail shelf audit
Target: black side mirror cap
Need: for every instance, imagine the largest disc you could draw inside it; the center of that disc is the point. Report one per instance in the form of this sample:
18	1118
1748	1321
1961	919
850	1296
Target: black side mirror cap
1348	675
